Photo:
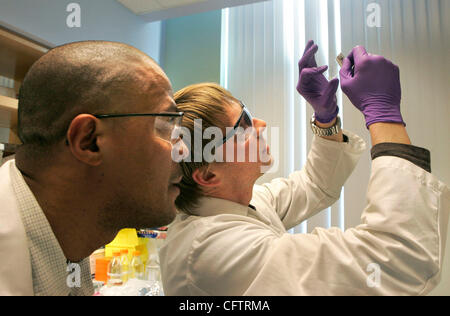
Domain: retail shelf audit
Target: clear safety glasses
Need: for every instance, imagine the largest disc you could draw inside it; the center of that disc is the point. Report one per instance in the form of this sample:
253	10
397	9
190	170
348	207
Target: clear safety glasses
243	123
165	123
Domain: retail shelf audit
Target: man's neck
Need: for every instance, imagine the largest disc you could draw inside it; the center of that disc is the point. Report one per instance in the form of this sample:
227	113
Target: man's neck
76	232
241	196
71	217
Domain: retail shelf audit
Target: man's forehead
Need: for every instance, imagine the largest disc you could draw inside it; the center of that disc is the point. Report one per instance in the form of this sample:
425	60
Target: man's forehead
157	104
149	73
158	92
169	106
234	111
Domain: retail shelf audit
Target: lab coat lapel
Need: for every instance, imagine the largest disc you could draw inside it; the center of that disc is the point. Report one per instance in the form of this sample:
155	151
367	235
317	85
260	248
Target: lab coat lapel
15	268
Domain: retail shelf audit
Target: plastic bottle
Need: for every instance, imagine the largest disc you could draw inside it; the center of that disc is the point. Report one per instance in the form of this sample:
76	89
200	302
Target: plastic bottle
115	271
152	269
136	266
125	263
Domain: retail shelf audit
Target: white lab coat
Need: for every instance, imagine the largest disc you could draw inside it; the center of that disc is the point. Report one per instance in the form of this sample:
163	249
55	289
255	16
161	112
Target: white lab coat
230	249
32	261
15	265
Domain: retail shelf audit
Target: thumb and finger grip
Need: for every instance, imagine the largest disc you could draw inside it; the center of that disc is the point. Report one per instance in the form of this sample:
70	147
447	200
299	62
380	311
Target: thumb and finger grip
347	68
359	53
372	83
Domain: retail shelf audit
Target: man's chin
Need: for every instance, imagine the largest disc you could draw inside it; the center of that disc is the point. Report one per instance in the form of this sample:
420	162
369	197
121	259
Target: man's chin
169	216
174	191
172	216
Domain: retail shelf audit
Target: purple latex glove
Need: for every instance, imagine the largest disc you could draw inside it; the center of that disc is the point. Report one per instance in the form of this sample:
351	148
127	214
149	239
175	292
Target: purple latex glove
315	88
373	86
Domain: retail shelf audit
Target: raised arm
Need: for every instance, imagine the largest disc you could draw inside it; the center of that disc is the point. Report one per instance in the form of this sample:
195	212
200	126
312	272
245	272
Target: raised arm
318	91
398	248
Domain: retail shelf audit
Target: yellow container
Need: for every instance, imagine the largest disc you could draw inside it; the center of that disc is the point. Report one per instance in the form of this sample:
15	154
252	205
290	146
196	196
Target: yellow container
128	239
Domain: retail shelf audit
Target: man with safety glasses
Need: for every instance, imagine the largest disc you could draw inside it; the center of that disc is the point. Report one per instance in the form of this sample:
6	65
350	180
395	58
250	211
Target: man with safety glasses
96	120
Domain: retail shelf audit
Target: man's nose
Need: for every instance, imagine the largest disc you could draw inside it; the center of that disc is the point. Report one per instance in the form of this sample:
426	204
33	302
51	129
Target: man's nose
184	150
259	125
180	151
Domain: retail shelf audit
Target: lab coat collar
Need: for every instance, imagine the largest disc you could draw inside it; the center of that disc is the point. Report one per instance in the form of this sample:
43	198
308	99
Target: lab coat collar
209	206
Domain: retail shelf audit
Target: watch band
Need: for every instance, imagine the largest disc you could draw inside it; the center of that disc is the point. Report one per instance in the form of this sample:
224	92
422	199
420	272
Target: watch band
330	131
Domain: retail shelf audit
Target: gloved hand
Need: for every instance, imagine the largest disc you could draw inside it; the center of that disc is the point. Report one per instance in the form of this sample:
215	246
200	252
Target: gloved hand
373	86
315	88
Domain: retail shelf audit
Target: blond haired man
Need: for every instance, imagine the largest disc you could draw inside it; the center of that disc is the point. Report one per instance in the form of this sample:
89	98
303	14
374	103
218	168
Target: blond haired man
231	238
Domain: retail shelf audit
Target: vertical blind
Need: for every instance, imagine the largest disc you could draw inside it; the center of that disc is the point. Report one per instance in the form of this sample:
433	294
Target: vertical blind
415	35
261	46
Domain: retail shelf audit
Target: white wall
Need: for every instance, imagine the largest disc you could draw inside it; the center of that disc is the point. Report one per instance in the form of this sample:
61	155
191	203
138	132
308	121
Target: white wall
195	8
45	22
199	60
100	20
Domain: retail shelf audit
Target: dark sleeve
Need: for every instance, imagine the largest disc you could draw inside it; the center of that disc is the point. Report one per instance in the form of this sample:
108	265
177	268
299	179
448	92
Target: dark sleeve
345	138
417	155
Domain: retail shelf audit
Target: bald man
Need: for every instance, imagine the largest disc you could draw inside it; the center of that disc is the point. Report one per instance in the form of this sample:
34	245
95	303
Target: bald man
95	119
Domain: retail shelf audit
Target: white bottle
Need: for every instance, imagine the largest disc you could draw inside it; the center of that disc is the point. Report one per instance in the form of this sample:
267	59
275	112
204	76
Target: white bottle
152	269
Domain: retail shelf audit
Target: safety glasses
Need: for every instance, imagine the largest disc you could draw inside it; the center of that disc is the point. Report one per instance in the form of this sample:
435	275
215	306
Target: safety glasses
243	123
165	123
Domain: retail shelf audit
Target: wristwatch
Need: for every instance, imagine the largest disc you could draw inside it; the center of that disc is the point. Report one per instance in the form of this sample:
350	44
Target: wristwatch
330	131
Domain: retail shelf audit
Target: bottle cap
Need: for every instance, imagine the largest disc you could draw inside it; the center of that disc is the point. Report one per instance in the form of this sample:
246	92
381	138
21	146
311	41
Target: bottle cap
124	251
136	253
116	253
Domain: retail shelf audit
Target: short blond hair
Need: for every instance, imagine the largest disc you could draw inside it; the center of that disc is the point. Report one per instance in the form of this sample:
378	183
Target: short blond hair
208	102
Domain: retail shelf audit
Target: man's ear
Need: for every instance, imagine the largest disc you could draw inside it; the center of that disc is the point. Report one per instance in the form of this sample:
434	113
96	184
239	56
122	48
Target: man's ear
205	176
82	139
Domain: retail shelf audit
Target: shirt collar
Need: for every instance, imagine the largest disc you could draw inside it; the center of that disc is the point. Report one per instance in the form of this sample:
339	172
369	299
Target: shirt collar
210	206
